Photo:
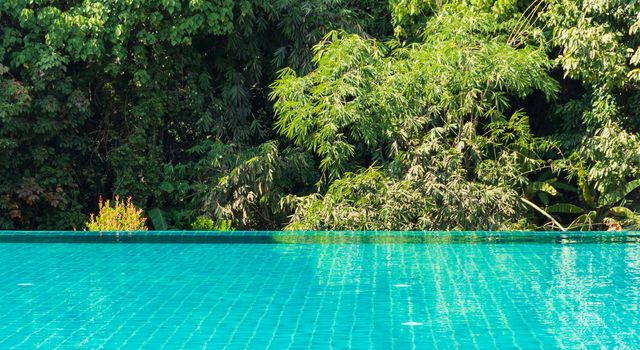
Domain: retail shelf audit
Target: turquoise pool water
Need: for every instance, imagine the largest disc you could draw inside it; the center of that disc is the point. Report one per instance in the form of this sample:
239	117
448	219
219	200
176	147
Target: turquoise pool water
383	290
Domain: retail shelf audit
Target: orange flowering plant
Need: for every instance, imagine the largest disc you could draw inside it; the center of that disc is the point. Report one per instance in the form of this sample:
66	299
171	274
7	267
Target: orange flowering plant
122	216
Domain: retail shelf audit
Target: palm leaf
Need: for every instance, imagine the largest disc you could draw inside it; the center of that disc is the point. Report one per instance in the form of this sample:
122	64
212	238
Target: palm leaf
619	194
566	187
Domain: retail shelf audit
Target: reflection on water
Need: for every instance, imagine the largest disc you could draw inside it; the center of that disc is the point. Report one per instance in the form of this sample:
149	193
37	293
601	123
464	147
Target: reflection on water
540	295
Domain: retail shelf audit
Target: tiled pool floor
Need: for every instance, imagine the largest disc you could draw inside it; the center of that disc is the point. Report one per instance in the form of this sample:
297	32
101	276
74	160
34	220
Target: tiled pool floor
319	296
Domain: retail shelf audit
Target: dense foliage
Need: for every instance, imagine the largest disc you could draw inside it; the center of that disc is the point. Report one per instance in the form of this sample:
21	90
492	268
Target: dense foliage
322	114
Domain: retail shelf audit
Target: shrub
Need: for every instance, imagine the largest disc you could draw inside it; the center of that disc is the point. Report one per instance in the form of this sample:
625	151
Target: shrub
207	224
122	216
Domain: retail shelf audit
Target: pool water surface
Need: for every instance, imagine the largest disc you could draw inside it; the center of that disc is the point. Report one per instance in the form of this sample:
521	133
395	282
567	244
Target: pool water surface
267	291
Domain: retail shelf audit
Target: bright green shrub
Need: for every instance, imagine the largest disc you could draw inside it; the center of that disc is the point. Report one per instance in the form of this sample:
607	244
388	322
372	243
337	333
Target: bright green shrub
122	216
204	223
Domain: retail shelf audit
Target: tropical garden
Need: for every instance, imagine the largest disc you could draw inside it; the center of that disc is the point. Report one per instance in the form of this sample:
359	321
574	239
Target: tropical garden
320	114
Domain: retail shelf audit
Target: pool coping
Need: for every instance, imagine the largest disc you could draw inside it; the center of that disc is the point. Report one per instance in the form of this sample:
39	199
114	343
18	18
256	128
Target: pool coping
321	237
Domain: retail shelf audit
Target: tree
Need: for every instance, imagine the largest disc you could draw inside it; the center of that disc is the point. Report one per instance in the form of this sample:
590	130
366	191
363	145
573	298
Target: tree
435	116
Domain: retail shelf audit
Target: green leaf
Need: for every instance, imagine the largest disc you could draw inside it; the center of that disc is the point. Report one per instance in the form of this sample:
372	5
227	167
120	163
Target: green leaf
544	197
548	189
586	192
565	208
167	187
618	195
622	212
566	187
157	219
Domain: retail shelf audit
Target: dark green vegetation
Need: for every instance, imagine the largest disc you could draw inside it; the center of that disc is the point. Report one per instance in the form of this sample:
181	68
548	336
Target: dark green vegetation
322	114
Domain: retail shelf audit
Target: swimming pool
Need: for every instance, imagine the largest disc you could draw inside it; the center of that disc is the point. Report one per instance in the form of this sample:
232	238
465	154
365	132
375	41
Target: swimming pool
319	290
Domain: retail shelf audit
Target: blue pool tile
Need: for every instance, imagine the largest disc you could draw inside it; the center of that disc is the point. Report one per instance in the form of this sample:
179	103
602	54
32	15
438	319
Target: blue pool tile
528	295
